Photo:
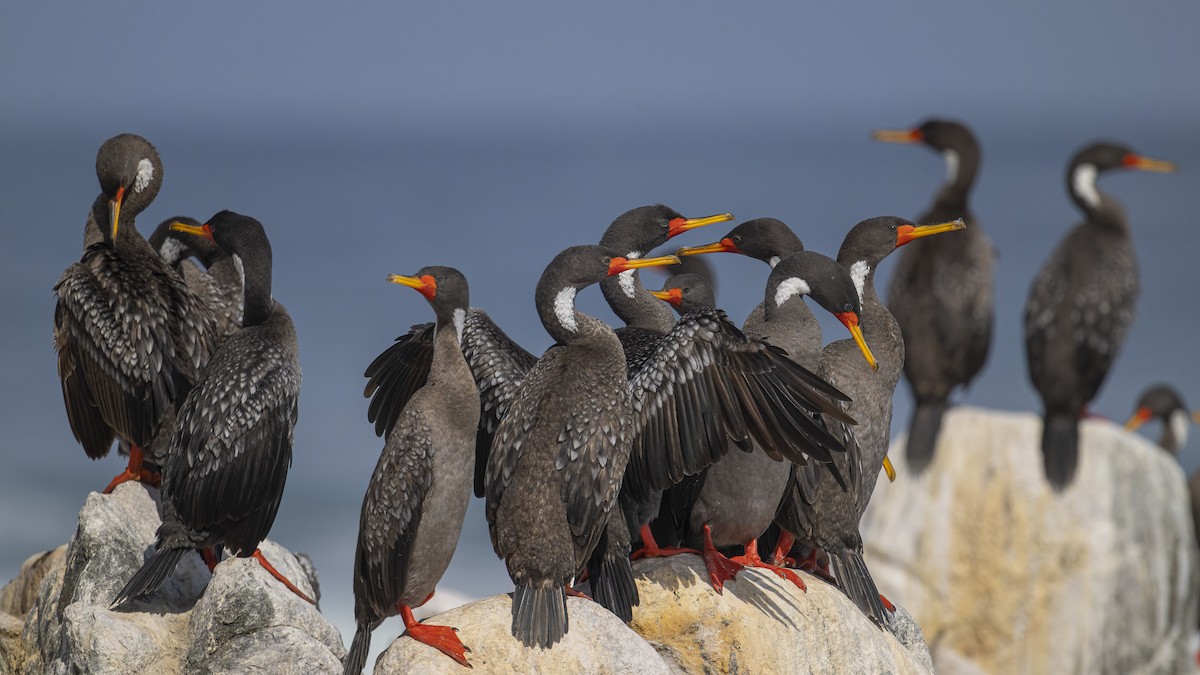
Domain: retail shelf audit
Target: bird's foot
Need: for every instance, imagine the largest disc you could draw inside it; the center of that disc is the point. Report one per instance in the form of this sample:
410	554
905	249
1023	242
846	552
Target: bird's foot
210	558
571	592
887	604
282	579
135	471
809	564
720	568
442	638
651	549
751	559
782	547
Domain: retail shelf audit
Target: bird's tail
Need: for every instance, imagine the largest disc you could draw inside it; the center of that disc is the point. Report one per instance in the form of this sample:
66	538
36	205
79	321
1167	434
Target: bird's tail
923	434
539	615
612	582
856	582
1060	448
151	575
356	658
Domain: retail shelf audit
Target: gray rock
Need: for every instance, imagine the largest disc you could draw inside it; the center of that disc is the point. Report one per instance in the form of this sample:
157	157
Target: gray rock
1005	575
236	620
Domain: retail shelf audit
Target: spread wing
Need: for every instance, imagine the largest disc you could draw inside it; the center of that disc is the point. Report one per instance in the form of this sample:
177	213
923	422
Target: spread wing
396	374
709	384
233	442
391	513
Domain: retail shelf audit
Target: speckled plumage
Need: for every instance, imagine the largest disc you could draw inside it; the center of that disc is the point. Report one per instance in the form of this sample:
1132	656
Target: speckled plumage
219	284
941	294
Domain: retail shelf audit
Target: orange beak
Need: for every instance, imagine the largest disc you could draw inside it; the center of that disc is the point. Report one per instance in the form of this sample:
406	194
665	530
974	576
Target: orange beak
672	296
906	233
204	230
1140	163
426	285
114	210
618	265
1139	418
850	321
726	245
902	136
681	225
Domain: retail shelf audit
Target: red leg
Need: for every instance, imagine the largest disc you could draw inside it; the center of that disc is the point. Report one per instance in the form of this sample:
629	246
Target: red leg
210	558
782	547
887	604
571	592
650	548
134	471
720	568
809	564
275	573
441	638
751	559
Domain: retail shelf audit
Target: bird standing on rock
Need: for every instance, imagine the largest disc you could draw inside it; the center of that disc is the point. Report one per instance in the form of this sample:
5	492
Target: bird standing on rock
131	337
1081	304
414	507
232	447
941	291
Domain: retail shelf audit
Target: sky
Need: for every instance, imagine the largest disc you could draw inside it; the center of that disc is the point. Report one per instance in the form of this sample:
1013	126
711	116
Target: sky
380	138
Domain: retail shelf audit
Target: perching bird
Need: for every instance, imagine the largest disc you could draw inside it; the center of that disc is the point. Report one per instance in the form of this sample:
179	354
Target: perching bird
232	447
818	511
1162	403
219	284
941	291
414	506
131	337
1081	304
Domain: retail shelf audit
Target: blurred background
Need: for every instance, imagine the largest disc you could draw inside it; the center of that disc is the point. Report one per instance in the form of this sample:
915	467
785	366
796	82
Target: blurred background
382	138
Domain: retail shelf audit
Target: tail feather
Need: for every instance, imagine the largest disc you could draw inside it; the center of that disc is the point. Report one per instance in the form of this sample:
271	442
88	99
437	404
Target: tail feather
923	434
356	658
856	582
151	575
539	615
1060	449
612	583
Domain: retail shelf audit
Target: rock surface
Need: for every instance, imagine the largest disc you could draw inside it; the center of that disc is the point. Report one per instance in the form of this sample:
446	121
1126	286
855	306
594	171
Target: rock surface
1006	576
239	618
761	624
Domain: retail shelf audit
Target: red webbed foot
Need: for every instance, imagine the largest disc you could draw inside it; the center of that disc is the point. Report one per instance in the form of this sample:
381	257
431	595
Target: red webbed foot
751	559
442	638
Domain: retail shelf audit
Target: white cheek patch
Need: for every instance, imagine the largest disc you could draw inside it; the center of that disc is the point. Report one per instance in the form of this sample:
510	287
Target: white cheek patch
171	251
789	288
564	308
773	261
460	321
858	274
1179	423
1084	183
145	174
951	158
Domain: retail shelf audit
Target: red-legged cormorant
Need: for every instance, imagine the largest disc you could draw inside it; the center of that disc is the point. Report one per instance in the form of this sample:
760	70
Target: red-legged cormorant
414	506
1081	304
941	291
219	284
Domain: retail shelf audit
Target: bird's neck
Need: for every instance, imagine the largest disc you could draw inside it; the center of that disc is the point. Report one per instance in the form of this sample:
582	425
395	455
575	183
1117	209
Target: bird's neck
630	301
259	304
564	323
1174	431
962	164
1099	207
449	366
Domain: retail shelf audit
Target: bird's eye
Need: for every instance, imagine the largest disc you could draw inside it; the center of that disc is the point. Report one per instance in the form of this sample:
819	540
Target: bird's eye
737	239
606	260
664	223
439	279
848	308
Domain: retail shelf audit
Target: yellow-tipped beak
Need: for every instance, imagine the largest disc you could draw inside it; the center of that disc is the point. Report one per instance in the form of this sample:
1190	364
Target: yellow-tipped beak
1140	417
907	233
662	295
889	469
897	136
715	247
862	347
681	225
1141	163
198	230
660	261
411	282
114	211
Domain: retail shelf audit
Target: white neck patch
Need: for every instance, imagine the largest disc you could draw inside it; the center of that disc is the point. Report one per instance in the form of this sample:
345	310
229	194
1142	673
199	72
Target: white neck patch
564	308
858	274
145	174
625	279
241	270
790	287
951	158
1179	423
460	322
1084	183
774	261
171	251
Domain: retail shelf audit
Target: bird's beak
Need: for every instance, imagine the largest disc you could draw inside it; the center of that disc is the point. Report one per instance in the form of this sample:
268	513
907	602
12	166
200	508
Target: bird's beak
114	210
1196	416
1140	163
906	233
619	265
1139	418
681	225
672	296
850	320
889	469
726	245
426	285
204	230
898	136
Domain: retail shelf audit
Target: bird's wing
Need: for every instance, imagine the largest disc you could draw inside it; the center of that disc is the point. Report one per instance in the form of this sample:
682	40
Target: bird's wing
709	384
193	329
396	374
391	514
590	458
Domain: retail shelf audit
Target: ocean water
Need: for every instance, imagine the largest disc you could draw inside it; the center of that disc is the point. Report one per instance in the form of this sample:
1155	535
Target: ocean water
346	209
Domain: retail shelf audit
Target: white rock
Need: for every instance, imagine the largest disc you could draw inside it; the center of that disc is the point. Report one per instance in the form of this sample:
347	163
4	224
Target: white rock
1005	575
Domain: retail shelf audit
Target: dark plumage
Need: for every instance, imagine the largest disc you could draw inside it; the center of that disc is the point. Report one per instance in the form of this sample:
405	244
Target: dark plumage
414	506
941	291
131	337
219	284
1163	404
1081	304
232	447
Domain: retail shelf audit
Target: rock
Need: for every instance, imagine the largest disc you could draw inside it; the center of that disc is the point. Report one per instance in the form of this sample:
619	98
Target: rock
760	625
1005	575
234	620
17	597
597	642
763	624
